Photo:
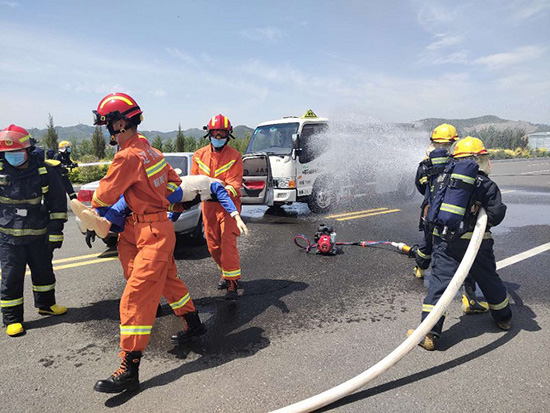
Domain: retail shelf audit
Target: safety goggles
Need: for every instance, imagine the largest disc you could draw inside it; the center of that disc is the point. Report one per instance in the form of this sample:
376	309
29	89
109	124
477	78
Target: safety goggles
219	133
100	119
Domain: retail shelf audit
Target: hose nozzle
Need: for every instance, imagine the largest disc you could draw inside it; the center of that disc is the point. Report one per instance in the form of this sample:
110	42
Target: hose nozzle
401	246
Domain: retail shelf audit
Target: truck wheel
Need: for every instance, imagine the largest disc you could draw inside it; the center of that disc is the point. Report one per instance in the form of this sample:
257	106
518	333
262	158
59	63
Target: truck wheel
197	236
321	199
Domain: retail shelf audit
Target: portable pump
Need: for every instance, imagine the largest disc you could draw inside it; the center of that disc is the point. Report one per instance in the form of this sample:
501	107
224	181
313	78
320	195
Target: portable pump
325	238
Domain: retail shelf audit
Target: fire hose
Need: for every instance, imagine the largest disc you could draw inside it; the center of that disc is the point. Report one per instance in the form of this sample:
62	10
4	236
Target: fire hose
359	381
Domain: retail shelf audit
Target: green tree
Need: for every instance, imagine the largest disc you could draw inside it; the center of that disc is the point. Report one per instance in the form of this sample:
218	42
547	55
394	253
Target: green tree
85	148
180	140
190	144
168	146
157	143
51	137
98	143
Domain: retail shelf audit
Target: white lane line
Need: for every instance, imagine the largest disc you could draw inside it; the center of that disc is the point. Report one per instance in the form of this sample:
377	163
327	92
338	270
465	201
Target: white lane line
508	191
523	256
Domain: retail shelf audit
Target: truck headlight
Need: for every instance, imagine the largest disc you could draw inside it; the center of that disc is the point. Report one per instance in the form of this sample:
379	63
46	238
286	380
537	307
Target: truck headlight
286	183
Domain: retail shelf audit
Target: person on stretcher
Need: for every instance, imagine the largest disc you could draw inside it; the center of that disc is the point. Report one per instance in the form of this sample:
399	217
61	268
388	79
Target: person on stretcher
193	190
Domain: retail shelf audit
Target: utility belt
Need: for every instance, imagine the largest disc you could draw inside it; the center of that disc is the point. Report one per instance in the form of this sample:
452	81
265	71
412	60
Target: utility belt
153	217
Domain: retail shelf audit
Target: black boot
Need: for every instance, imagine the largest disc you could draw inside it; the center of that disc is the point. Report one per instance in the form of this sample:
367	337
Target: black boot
125	378
194	329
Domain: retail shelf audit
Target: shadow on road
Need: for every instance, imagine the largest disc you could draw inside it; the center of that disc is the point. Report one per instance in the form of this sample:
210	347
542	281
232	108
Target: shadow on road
523	319
225	340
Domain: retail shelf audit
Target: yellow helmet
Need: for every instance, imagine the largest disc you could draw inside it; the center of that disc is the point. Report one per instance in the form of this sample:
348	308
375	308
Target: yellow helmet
469	146
444	133
64	145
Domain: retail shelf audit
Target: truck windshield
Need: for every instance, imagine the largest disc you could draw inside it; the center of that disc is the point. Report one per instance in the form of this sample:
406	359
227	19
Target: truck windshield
275	139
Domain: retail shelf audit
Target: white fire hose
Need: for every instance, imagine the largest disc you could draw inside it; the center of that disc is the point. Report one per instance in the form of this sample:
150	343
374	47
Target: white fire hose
350	386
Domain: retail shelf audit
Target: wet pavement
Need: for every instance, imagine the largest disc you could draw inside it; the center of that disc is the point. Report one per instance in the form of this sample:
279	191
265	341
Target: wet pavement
303	322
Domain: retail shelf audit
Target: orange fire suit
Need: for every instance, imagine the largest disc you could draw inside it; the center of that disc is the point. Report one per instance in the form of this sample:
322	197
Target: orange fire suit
146	247
220	228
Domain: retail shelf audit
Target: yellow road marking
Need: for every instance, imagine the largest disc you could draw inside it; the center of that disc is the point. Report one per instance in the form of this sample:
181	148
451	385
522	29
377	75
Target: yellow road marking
389	211
355	213
101	257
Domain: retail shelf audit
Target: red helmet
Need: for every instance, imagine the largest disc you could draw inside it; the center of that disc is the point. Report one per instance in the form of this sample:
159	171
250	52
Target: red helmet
117	106
219	124
14	138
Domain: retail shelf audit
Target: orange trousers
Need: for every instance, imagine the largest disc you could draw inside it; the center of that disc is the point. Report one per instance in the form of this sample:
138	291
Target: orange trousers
221	232
146	252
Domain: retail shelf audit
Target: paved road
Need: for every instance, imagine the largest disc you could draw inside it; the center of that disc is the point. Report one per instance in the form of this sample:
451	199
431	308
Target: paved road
303	324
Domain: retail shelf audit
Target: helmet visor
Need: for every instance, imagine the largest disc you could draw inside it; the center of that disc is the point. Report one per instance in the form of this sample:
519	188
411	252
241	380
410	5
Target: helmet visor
219	133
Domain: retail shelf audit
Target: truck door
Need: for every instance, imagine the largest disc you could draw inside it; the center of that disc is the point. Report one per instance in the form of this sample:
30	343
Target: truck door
257	185
313	141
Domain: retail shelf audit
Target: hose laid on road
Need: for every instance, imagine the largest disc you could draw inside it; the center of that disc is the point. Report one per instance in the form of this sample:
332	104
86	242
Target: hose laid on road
350	386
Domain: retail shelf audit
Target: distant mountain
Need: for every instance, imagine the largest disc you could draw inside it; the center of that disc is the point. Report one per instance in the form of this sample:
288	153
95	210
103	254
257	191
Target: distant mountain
81	131
471	124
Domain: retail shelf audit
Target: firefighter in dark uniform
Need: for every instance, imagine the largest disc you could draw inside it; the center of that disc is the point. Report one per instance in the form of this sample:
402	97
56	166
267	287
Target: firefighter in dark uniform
33	209
448	254
429	171
63	161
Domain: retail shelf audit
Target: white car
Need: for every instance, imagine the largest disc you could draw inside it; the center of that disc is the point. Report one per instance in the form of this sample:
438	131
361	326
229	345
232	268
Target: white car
189	222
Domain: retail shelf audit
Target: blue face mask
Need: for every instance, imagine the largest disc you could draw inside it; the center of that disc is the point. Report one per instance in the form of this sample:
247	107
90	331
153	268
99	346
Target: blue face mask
218	143
68	150
15	158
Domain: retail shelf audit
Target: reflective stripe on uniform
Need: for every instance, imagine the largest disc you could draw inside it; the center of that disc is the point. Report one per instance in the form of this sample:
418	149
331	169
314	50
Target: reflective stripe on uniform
45	189
439	161
11	303
202	166
500	306
156	168
423	180
43	288
42	170
453	209
99	201
229	188
422	255
23	232
428	308
468	235
135	330
231	274
464	178
55	238
58	215
180	303
172	186
32	201
224	168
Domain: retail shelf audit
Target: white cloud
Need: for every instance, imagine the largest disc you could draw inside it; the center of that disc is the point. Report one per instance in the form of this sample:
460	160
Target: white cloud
520	55
181	55
526	9
444	40
11	4
159	93
269	34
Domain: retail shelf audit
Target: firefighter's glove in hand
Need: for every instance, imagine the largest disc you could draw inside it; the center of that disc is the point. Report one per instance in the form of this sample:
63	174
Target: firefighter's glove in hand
187	205
173	216
241	225
54	245
412	251
90	237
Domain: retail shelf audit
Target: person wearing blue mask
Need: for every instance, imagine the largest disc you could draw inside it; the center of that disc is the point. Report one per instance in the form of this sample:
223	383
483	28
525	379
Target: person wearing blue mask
33	210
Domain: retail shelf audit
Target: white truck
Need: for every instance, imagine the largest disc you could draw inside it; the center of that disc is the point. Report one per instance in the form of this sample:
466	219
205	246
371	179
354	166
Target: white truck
285	162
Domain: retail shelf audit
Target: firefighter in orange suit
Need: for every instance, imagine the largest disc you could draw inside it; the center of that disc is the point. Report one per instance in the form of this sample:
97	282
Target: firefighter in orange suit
218	160
141	173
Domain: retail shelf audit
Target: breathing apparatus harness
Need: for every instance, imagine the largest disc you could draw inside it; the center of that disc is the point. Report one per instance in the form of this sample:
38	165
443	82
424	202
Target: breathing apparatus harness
324	241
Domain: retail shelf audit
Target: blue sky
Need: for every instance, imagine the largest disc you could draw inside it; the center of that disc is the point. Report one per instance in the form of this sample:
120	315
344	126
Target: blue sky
184	61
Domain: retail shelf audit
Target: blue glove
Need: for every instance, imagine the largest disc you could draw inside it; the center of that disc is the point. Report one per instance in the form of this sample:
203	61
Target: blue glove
173	216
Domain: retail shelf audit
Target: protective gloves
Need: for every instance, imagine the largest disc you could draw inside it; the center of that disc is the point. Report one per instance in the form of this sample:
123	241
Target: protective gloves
195	201
90	237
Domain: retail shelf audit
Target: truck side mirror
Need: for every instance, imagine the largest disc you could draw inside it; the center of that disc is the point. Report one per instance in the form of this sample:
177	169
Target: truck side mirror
296	145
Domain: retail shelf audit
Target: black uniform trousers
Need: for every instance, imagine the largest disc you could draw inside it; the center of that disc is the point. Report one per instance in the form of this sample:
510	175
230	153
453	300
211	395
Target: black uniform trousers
446	259
14	259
